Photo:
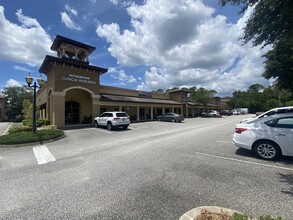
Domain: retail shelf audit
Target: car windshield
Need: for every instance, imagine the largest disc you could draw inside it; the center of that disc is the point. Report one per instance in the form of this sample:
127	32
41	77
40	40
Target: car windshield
122	114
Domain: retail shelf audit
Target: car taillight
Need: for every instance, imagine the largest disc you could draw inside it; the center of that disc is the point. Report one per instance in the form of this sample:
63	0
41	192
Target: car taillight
240	130
116	118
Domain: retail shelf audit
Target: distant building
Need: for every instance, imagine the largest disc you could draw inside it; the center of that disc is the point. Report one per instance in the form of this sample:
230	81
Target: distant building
72	93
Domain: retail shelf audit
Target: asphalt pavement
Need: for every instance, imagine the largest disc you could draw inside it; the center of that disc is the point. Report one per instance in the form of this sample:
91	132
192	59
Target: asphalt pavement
153	170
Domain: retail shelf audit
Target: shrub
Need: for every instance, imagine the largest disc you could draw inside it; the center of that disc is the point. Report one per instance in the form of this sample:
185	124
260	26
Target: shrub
30	137
48	127
19	129
40	122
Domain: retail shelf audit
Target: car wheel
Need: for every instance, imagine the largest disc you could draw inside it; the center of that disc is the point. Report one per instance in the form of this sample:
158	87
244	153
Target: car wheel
173	120
96	124
267	150
125	126
109	126
159	119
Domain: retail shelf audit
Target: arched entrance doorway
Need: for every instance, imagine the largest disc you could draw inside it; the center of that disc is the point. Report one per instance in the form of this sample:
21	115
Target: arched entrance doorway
71	112
78	106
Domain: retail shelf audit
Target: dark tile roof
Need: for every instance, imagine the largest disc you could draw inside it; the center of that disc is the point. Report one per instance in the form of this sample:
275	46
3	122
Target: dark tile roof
59	39
49	60
118	98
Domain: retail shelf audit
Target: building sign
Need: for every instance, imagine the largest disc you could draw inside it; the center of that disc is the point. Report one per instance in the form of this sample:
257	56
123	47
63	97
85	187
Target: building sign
144	95
79	79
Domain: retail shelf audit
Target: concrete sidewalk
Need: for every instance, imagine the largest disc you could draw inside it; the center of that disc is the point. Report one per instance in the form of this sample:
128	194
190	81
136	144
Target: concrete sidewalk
4	127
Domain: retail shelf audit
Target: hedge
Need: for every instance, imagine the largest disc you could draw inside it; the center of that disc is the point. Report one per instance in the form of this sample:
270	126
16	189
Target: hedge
30	137
39	122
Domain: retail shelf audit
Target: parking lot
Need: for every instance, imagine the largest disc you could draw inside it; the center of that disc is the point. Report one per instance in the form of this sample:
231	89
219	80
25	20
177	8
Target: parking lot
152	170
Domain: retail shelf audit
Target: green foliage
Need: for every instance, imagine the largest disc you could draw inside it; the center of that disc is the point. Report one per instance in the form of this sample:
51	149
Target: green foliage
271	23
19	129
14	97
48	127
279	63
260	99
202	95
239	216
29	122
290	103
44	122
40	122
30	137
27	110
160	91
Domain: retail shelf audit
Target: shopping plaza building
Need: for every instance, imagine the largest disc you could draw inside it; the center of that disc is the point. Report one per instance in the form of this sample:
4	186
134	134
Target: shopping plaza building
72	93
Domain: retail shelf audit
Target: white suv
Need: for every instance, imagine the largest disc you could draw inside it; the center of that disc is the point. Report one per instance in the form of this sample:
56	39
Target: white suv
113	119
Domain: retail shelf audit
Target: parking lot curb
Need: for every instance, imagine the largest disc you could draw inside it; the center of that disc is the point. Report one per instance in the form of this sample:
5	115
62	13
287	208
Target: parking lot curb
31	144
194	213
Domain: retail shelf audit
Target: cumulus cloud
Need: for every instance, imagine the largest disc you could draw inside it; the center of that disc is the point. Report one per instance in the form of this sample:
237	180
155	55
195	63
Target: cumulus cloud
67	18
26	42
185	44
13	83
121	76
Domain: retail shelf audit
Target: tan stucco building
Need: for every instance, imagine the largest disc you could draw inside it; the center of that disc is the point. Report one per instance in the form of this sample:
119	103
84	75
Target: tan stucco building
72	93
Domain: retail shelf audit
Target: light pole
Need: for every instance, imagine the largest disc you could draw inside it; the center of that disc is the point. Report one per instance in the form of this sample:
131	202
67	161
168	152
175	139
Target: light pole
29	81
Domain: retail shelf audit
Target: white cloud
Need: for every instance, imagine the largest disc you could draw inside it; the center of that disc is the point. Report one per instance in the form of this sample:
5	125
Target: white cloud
121	76
186	45
13	83
26	43
114	2
66	19
22	68
71	10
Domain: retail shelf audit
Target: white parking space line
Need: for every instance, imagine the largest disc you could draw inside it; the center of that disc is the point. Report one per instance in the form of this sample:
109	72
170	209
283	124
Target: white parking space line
43	155
244	161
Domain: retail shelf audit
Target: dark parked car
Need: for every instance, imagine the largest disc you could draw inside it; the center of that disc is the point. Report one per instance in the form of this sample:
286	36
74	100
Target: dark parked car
171	117
225	112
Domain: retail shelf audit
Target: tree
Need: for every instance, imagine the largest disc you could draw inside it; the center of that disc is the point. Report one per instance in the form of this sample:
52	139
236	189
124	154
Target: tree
280	60
27	110
259	99
271	23
202	95
161	91
14	97
255	87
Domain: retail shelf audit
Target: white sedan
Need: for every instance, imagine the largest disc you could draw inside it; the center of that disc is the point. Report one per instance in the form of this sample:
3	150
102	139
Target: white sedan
268	137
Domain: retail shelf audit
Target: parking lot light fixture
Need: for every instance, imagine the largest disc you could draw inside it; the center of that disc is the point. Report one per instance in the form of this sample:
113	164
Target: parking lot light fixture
29	81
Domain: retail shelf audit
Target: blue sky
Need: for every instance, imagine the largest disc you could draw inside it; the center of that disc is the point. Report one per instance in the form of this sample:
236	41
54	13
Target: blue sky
145	44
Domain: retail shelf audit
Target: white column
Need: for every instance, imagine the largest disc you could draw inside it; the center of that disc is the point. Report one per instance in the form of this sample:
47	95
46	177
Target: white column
152	113
137	113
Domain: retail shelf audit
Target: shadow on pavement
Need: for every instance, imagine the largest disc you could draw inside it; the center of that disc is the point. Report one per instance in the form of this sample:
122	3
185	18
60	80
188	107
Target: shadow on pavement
248	153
